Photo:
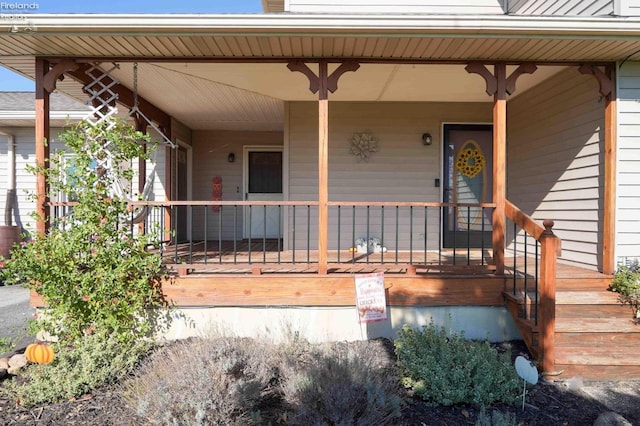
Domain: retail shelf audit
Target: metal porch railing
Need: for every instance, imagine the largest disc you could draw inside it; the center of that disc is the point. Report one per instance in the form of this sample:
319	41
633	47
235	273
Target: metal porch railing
286	232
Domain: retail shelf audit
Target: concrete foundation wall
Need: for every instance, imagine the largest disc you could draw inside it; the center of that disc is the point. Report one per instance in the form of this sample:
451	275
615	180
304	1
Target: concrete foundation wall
320	324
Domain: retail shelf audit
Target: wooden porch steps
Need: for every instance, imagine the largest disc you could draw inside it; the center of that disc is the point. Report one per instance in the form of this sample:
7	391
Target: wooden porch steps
595	336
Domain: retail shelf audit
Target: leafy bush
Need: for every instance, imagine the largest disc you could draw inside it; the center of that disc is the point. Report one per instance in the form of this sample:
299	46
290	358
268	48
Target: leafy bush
94	276
626	282
451	370
76	370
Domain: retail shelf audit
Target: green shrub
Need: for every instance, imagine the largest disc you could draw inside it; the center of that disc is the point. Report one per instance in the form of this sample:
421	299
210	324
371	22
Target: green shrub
76	370
94	276
626	282
452	370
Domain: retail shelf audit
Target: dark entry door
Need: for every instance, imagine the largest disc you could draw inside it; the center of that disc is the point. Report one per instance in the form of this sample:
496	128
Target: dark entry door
264	182
468	179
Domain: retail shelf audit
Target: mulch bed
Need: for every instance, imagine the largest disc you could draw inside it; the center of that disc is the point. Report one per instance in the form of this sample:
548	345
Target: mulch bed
547	404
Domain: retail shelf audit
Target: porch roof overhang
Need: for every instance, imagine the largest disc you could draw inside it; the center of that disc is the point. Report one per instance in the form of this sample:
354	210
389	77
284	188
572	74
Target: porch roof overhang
250	83
28	118
366	37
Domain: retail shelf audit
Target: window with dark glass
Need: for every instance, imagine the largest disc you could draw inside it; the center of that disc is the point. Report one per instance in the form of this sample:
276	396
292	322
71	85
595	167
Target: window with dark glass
265	172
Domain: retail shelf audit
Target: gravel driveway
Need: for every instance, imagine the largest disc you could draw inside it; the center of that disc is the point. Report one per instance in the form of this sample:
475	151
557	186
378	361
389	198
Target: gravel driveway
15	313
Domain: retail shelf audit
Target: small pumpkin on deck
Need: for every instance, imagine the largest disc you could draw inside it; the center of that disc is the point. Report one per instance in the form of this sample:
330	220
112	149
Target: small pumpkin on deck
40	353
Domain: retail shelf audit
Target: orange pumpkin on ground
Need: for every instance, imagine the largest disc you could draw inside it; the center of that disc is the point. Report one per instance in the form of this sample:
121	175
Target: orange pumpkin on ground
40	353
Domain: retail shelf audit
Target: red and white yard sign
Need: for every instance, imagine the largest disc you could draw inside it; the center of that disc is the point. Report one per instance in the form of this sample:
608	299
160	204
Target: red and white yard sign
371	300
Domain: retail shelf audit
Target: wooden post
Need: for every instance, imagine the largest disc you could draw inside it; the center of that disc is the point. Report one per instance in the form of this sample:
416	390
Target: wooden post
499	165
607	87
610	147
549	245
323	83
42	146
168	185
499	85
323	168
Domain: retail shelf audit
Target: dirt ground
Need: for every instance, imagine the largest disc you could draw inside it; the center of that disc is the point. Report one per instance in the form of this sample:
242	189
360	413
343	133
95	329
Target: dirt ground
572	402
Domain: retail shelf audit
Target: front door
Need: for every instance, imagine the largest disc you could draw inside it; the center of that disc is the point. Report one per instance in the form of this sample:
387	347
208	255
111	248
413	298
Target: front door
468	179
263	182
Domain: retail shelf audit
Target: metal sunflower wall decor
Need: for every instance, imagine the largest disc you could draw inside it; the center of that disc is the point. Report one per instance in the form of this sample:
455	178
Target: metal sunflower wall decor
362	145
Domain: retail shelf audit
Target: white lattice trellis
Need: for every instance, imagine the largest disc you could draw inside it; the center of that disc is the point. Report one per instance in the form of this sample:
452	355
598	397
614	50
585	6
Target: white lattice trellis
101	97
103	107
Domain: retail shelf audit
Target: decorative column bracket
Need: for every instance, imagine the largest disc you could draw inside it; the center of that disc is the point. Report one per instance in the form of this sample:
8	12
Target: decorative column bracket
489	78
314	80
56	74
492	82
603	80
527	68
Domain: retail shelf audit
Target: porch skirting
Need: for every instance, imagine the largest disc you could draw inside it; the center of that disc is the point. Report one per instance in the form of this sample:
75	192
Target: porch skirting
321	324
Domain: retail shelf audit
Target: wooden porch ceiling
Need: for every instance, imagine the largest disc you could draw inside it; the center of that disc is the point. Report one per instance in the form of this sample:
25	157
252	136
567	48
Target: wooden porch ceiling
251	96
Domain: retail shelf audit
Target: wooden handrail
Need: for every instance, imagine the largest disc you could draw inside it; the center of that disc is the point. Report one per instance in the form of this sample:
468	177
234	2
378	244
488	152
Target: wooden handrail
523	220
202	203
550	248
290	203
406	204
549	245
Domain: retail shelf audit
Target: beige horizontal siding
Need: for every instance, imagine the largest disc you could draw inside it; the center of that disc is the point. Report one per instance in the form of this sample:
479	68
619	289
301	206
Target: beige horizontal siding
627	7
400	6
561	7
25	180
554	162
210	150
403	169
628	179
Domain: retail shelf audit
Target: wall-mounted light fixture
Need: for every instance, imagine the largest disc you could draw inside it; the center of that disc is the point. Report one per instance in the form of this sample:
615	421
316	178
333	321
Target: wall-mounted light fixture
231	157
427	139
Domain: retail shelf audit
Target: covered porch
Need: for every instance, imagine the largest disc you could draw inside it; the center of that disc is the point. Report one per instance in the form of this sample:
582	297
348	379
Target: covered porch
440	243
443	232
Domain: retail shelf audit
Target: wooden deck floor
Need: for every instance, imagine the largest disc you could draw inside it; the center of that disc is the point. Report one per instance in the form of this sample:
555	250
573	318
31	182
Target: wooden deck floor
269	257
